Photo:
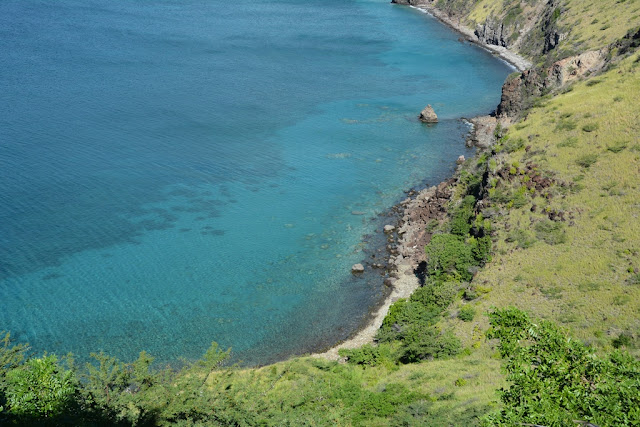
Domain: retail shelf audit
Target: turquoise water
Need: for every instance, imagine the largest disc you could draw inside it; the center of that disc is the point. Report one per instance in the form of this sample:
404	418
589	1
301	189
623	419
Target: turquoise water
178	172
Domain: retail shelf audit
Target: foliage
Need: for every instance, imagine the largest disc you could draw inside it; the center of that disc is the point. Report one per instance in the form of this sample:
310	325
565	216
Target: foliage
551	232
366	355
449	257
39	387
462	215
522	238
467	313
556	380
587	160
428	343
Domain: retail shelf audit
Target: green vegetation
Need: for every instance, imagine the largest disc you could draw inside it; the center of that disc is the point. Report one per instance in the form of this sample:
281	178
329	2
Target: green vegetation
39	387
557	381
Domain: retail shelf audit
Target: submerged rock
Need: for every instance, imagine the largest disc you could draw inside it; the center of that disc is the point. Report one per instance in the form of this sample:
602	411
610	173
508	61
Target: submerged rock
428	115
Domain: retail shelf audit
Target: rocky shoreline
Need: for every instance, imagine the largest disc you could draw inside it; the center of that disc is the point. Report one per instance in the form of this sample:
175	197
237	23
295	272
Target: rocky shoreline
423	210
418	214
509	56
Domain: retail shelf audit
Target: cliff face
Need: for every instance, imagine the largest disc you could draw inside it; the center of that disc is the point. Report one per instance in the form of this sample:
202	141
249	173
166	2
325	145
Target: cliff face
518	93
561	37
529	27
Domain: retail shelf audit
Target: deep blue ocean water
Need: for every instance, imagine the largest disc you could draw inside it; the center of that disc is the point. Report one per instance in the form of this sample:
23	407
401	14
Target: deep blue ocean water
178	172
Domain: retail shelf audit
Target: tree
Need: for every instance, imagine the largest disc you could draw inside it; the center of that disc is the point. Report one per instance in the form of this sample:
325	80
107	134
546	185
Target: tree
39	388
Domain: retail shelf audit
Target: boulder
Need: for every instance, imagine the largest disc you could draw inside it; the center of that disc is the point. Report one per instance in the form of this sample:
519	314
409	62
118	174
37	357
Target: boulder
389	229
428	115
460	160
357	268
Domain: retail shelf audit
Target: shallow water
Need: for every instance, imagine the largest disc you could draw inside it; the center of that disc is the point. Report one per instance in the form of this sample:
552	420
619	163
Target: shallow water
178	172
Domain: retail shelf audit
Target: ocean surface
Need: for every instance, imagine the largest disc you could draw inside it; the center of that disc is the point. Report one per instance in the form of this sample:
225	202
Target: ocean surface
174	173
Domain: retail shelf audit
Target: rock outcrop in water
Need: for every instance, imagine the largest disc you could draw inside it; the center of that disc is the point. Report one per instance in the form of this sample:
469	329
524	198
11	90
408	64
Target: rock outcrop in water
357	268
428	115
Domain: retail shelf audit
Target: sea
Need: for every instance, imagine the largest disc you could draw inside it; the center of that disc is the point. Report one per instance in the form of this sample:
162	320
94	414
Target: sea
174	173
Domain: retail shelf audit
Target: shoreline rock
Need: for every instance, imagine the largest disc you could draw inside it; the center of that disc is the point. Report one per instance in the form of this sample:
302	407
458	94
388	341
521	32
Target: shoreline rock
483	131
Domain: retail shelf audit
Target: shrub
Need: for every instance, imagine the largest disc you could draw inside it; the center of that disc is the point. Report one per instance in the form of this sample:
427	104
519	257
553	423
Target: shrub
566	124
436	295
480	249
522	238
428	343
447	255
365	355
554	380
461	216
587	160
590	127
384	403
617	147
623	340
39	388
467	313
569	142
550	232
513	145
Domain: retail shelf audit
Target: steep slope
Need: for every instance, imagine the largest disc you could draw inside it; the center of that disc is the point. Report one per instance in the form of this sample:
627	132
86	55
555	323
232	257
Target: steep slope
564	204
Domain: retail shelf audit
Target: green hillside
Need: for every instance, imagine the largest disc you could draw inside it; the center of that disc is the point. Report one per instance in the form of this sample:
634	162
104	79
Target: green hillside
581	269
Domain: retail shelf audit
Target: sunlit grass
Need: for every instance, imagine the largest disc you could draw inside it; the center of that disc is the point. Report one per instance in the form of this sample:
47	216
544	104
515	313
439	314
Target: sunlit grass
588	282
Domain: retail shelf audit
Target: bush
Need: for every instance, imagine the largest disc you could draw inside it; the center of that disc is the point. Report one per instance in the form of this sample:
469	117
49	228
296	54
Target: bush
551	232
436	295
555	380
512	145
566	124
481	249
522	238
365	355
428	343
39	388
467	313
569	142
590	127
617	147
448	256
623	340
462	215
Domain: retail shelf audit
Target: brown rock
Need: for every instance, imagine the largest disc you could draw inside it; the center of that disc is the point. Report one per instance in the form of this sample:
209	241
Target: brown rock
428	115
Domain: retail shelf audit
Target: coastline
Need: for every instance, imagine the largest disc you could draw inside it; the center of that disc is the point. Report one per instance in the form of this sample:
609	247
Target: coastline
512	58
428	205
412	233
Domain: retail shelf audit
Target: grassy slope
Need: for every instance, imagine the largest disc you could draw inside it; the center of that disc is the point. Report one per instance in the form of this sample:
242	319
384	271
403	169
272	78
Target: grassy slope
309	391
591	24
596	23
587	283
